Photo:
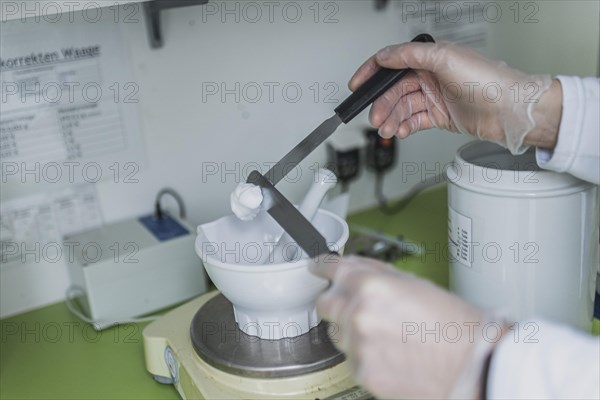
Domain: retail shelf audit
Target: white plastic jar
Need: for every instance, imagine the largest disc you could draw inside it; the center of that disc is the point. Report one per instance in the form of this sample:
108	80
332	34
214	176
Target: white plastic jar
522	240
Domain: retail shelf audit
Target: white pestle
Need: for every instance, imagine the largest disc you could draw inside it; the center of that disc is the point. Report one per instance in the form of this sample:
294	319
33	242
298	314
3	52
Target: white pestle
286	249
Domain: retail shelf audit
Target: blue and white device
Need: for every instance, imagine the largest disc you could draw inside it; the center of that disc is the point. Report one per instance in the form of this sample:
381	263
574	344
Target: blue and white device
134	267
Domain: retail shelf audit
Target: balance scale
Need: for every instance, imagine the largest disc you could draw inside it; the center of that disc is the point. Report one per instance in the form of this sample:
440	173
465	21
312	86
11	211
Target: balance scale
199	348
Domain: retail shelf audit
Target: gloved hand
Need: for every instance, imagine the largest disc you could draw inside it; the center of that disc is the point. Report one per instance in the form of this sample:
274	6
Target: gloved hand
403	336
457	89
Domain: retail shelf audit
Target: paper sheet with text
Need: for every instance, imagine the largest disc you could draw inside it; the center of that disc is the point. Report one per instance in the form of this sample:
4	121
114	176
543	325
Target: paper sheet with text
68	95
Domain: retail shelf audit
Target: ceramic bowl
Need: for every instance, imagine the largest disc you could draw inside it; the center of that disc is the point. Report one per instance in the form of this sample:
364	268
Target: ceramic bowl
271	301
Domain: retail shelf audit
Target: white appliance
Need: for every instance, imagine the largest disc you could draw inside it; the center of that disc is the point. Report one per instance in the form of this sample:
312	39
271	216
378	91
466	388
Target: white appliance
235	344
133	267
522	241
199	348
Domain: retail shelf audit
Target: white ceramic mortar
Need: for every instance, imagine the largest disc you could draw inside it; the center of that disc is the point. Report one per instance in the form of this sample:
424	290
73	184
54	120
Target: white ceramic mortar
271	301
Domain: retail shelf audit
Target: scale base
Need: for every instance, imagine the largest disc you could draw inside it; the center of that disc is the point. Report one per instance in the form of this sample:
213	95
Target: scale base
171	358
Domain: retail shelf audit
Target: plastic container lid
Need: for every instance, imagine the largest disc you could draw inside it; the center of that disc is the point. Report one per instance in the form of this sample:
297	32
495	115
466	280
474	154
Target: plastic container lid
490	168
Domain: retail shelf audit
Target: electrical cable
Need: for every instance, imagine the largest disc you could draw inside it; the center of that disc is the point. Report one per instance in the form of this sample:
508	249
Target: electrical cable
73	291
407	197
157	208
345	186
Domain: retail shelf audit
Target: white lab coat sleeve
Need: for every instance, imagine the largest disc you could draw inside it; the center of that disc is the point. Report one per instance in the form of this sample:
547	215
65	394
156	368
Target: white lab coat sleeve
543	360
577	151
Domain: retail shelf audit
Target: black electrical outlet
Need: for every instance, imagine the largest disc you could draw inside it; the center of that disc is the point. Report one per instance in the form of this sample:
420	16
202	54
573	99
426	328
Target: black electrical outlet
345	164
380	152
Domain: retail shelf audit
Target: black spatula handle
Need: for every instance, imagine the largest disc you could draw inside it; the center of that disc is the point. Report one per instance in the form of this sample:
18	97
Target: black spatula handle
374	87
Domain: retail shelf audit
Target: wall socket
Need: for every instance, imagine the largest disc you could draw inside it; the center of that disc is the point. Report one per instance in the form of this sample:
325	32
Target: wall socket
344	163
380	153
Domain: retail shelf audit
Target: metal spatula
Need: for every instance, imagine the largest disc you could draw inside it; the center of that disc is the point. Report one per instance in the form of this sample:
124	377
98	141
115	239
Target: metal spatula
286	215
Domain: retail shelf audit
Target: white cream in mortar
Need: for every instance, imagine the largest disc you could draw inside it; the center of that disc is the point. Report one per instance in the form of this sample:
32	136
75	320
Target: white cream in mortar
245	201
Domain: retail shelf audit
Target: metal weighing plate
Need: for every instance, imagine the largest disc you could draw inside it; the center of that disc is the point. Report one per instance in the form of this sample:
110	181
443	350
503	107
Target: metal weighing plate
219	342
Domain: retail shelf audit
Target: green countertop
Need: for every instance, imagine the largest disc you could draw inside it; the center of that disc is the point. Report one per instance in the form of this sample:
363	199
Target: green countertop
49	354
424	222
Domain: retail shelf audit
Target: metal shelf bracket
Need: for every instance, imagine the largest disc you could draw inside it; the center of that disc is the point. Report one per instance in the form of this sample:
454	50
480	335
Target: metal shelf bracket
152	10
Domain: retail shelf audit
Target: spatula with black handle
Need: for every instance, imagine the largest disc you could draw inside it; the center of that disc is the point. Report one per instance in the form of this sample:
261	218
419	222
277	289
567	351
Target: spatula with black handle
286	215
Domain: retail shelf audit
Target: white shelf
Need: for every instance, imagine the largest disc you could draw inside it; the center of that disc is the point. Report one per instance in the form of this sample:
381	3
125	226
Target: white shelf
14	10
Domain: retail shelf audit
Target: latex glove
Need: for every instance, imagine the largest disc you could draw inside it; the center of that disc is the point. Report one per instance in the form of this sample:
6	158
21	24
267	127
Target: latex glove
457	89
403	336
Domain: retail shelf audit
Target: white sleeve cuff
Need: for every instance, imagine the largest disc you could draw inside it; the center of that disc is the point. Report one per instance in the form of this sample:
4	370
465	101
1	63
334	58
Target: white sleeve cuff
578	147
543	360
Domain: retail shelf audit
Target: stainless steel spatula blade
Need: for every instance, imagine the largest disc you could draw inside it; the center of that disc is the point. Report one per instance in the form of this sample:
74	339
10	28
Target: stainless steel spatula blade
302	149
290	219
361	98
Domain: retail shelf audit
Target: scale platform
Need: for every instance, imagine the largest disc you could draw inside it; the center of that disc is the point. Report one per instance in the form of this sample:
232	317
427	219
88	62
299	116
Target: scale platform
199	349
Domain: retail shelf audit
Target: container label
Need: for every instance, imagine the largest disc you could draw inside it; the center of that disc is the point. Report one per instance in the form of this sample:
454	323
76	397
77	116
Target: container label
459	238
